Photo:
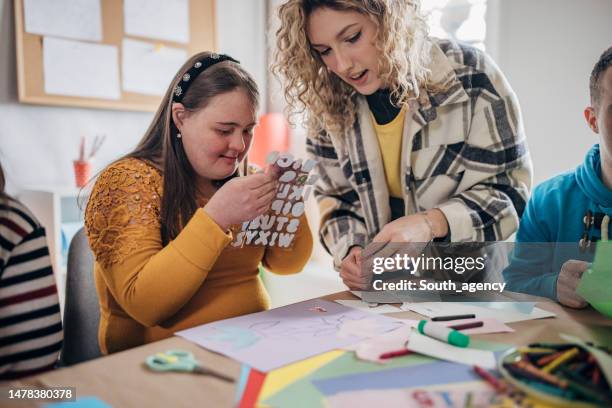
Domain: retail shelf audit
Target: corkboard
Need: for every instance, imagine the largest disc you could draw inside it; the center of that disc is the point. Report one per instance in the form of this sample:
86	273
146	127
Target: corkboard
30	82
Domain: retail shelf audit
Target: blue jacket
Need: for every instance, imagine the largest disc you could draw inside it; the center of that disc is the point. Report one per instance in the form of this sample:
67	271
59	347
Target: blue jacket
554	220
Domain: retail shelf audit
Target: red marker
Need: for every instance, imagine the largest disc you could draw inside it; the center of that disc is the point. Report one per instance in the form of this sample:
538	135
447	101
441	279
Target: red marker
466	326
488	377
396	353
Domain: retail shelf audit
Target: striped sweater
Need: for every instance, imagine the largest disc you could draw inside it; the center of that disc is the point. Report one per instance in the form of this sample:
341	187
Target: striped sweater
30	325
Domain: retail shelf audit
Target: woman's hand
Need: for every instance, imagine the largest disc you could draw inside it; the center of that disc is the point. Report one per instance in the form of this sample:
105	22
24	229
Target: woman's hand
567	283
411	228
351	271
242	199
421	227
417	230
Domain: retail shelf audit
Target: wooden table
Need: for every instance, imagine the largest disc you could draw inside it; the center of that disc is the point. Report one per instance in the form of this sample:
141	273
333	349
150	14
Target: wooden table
122	380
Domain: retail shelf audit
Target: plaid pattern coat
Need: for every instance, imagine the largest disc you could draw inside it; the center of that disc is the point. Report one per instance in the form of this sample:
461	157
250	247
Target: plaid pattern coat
463	152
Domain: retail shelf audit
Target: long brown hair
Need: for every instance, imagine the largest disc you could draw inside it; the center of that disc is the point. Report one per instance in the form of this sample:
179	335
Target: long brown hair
160	146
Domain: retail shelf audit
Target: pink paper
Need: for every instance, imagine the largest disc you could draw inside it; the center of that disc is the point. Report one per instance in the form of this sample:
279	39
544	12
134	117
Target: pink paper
491	325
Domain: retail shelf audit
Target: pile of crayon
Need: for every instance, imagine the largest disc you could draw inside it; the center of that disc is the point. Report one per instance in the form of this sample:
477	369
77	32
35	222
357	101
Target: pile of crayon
563	370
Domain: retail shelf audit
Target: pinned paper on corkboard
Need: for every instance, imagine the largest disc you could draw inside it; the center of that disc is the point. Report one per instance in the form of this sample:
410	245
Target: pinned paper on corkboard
277	228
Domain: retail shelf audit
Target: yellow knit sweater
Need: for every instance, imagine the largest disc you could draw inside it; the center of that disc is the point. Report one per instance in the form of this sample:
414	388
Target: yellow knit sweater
148	291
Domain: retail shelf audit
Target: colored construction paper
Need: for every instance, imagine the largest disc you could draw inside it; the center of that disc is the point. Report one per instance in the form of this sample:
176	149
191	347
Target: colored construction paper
242	380
475	394
442	372
304	394
274	338
82	402
596	282
280	378
252	389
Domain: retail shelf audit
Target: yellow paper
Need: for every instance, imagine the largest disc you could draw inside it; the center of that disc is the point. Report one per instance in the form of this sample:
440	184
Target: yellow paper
280	378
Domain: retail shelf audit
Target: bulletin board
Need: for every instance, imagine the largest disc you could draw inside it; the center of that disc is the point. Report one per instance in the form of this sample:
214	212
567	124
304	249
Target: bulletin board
30	68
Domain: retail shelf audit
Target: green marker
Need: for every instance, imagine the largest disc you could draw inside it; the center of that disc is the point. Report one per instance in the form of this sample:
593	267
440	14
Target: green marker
441	332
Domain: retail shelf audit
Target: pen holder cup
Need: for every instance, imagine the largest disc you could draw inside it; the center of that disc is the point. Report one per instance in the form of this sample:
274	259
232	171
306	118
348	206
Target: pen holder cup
82	172
538	394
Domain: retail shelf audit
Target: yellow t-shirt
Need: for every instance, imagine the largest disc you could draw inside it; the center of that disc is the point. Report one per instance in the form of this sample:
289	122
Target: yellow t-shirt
390	143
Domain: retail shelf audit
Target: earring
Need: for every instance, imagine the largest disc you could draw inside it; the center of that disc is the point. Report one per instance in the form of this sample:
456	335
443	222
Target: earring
178	135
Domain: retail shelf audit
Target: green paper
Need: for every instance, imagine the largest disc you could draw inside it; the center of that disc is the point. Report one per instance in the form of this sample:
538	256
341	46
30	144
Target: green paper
596	282
302	394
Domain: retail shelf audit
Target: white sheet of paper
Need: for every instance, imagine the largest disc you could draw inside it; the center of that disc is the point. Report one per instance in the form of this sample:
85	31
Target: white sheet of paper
76	19
432	309
76	68
159	19
361	305
444	351
277	337
148	70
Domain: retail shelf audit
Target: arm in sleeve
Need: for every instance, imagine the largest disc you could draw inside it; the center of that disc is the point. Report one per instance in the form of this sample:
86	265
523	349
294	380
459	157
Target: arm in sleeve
151	282
286	261
530	270
342	224
495	186
31	330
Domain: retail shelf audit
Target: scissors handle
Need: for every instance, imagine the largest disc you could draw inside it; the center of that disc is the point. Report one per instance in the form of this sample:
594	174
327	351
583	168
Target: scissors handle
180	360
172	360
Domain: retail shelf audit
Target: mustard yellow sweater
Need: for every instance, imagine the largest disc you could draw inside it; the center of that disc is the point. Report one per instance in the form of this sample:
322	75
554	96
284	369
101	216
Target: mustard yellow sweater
148	291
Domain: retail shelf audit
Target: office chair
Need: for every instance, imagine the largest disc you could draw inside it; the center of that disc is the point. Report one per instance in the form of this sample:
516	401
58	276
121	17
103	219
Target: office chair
81	311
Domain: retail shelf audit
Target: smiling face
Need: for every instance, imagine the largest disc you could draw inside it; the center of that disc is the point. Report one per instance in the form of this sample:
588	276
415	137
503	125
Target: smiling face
345	41
217	137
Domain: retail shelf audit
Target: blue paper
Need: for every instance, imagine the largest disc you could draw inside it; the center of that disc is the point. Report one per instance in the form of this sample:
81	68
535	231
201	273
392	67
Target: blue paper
242	380
416	376
84	402
441	372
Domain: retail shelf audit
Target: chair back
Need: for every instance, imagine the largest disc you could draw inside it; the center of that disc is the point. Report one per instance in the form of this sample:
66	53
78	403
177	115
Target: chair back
81	310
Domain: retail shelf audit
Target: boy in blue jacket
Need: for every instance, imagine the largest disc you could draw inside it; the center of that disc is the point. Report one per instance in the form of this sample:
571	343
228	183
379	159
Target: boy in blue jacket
571	210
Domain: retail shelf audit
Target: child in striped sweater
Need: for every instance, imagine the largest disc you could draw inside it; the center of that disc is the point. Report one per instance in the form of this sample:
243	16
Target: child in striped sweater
30	325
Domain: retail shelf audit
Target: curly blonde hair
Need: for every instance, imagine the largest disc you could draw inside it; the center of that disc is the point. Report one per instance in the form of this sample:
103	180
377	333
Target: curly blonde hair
330	103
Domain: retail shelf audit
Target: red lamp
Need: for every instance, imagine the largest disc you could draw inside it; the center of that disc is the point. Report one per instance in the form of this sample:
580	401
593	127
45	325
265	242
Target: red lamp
271	134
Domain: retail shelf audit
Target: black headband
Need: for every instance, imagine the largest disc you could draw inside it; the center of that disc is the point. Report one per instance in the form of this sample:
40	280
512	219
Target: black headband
181	89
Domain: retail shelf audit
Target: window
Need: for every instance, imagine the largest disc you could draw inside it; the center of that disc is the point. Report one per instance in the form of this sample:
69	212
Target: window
461	20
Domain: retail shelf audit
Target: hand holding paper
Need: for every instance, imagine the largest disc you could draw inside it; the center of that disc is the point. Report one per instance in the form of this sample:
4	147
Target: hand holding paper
278	225
241	199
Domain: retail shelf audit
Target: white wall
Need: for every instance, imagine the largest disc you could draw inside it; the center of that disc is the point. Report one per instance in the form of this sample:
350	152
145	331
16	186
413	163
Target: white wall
38	143
547	49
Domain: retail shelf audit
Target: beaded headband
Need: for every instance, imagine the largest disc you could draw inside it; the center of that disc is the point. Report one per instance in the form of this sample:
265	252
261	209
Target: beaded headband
193	72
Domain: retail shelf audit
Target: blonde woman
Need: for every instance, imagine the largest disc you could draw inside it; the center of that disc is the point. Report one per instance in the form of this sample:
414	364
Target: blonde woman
161	220
417	138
